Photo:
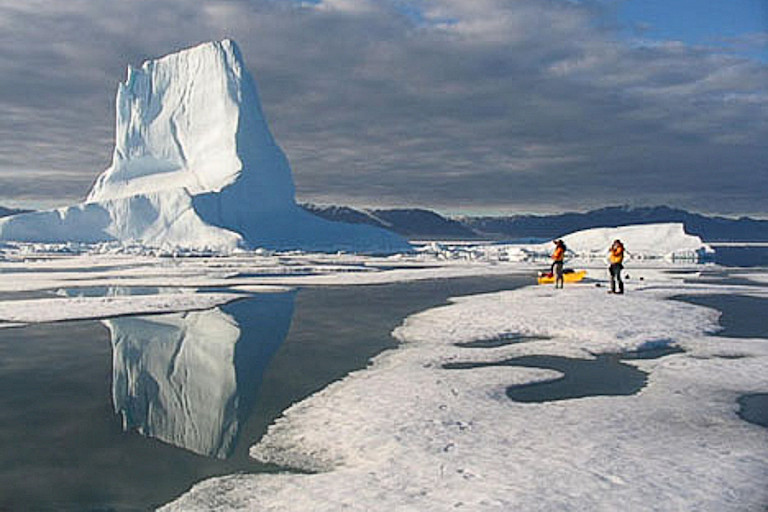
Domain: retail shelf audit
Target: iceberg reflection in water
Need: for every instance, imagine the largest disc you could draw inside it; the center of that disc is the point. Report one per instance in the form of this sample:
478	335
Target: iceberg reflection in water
189	379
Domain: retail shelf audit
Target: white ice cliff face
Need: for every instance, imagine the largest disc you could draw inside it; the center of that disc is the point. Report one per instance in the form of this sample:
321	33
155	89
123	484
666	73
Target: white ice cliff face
195	166
193	120
664	240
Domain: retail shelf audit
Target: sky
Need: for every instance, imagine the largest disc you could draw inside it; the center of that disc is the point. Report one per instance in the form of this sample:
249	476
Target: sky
462	106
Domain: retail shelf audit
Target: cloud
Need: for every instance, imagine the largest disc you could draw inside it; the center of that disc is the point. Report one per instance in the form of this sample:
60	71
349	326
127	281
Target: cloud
532	105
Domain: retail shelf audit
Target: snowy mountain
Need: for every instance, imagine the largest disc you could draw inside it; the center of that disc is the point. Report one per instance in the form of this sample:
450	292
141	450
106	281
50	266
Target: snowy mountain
195	166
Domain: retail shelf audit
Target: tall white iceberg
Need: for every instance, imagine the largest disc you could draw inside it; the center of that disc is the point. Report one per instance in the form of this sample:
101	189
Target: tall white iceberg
195	166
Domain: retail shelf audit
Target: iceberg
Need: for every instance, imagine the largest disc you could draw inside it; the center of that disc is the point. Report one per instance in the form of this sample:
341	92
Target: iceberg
195	166
662	241
667	241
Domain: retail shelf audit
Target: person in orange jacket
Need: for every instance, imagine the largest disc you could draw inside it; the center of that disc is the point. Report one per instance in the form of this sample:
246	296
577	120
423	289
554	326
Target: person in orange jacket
616	258
558	258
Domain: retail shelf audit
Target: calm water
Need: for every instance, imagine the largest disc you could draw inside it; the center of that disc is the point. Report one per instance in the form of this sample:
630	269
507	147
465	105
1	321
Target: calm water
129	413
605	375
741	317
741	256
754	408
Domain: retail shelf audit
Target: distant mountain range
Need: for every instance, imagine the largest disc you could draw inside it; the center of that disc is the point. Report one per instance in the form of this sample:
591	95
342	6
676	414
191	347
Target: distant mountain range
5	212
412	223
416	223
710	229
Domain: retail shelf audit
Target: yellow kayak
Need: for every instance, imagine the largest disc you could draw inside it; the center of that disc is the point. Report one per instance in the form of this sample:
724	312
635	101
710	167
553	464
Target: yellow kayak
569	276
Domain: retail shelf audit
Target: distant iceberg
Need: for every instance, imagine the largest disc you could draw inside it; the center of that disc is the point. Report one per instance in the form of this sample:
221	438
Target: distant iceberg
195	166
663	241
667	241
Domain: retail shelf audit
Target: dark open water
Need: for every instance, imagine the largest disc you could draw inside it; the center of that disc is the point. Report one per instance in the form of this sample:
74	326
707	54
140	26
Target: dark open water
741	317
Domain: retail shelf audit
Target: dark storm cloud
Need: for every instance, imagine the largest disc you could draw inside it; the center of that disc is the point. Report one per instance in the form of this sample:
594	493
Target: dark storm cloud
443	103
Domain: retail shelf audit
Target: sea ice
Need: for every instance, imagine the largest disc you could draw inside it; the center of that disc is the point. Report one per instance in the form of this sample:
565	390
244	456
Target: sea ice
409	434
15	312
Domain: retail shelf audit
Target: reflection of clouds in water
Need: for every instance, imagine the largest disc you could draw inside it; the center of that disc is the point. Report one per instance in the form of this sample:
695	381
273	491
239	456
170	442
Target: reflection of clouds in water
188	379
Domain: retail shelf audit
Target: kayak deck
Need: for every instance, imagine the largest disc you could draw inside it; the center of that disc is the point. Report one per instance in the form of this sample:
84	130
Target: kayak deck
569	276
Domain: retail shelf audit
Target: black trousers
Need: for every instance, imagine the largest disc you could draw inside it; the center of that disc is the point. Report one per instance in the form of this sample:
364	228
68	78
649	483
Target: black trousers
615	270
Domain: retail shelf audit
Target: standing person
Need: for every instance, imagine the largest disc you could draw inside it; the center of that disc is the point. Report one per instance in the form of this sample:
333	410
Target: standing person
558	258
616	257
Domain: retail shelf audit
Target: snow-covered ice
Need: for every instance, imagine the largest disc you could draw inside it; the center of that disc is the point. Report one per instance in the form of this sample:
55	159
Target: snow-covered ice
408	434
19	312
667	240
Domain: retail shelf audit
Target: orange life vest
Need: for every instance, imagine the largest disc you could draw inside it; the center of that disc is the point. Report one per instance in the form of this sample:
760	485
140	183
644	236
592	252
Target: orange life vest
559	253
617	253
